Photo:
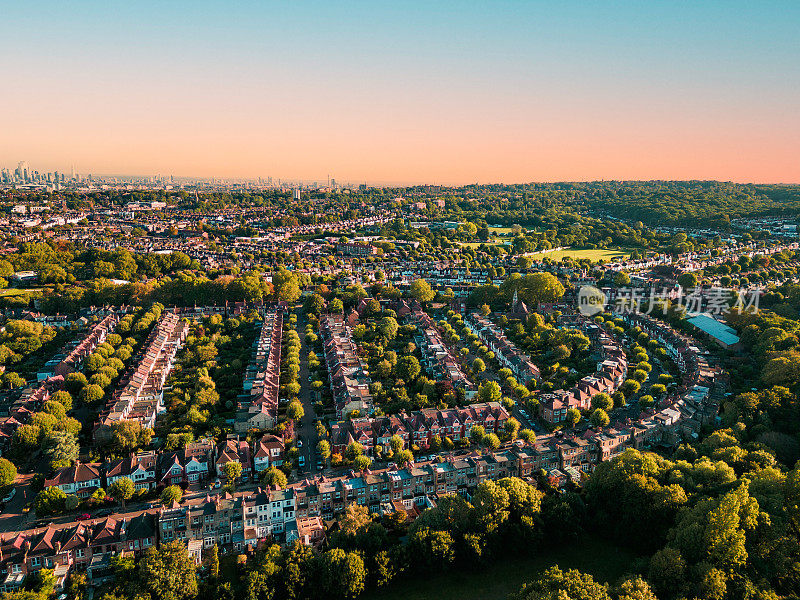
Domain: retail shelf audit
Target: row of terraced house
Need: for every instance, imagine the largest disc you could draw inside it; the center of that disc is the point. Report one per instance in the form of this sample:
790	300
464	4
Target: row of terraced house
505	351
418	427
257	406
140	395
19	404
245	519
193	465
611	371
436	356
347	374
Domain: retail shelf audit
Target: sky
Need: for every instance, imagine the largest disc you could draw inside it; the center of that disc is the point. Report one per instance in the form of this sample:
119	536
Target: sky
404	92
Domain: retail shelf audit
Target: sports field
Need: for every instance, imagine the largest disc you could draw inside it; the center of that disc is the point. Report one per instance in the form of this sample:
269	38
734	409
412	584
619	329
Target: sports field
593	254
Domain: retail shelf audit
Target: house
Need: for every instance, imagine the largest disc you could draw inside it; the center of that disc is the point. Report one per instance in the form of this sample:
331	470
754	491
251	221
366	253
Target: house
189	465
81	480
139	468
269	451
235	450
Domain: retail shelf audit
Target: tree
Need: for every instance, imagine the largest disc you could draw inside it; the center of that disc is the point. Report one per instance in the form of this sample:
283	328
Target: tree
44	421
75	382
527	435
489	391
61	448
485	310
621	279
478	365
343	574
396	443
8	472
541	287
129	436
213	563
353	450
646	401
431	548
477	433
630	387
122	490
408	368
667	573
511	428
26	439
629	499
232	471
50	501
404	457
171	494
286	284
687	281
602	401
314	304
421	290
91	394
355	519
362	462
295	411
56	409
324	450
635	588
599	418
168	572
274	477
573	416
557	584
64	398
388	327
492	441
336	306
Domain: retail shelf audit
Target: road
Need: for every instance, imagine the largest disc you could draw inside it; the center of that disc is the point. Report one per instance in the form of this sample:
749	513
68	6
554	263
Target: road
306	429
12	517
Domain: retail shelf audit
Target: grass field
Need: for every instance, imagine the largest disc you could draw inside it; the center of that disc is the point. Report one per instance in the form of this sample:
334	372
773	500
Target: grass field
500	230
603	561
18	291
594	254
490	242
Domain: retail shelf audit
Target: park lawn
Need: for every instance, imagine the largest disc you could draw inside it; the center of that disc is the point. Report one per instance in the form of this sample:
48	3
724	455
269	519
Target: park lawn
500	230
18	291
603	560
489	242
593	254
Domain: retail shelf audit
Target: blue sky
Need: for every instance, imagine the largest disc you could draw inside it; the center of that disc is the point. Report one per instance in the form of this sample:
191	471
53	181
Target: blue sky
405	91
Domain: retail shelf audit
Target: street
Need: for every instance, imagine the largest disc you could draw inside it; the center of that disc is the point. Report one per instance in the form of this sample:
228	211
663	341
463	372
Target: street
306	430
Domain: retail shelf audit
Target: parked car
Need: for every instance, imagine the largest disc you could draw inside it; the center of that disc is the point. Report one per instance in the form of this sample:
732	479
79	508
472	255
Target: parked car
84	517
10	495
301	461
104	512
299	443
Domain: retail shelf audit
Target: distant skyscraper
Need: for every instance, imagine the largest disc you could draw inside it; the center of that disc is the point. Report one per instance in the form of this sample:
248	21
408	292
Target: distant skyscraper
296	194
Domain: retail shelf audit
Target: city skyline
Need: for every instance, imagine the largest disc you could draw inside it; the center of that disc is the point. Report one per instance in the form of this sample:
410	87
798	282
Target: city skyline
447	94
